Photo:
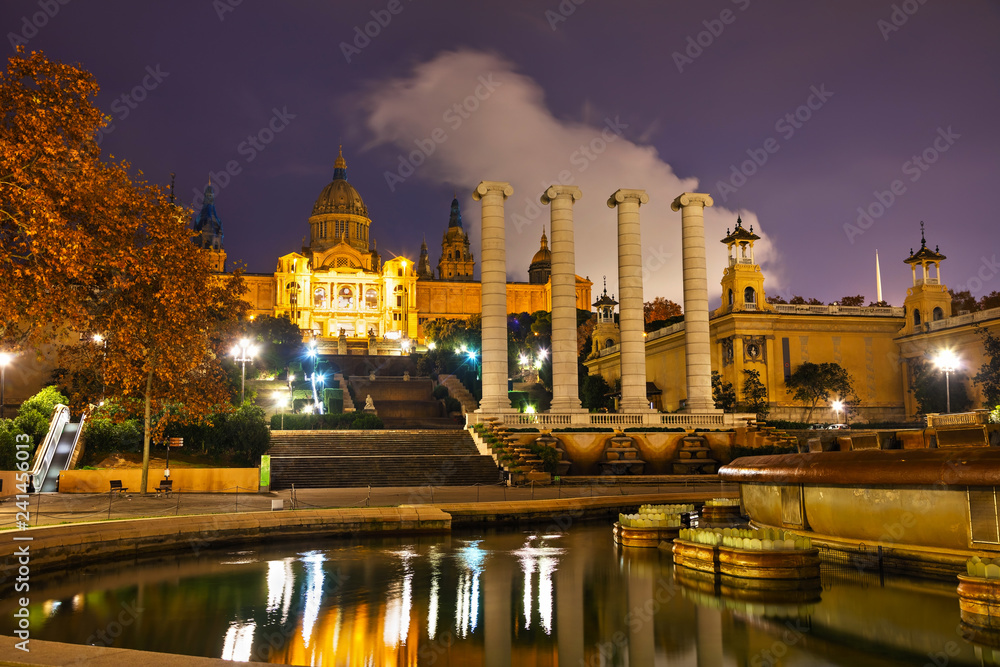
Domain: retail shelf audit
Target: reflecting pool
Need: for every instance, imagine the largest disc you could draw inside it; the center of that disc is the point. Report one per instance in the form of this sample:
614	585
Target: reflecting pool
522	598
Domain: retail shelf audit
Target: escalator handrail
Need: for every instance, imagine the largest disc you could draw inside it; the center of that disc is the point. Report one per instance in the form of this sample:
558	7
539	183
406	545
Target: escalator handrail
60	417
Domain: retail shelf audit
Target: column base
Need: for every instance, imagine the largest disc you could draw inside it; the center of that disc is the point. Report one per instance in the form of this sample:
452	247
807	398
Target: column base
566	406
635	407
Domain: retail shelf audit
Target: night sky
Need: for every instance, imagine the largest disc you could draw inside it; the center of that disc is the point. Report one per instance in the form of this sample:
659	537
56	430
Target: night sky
665	96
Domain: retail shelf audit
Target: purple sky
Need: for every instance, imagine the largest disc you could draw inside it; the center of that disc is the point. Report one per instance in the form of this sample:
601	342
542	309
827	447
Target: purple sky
895	92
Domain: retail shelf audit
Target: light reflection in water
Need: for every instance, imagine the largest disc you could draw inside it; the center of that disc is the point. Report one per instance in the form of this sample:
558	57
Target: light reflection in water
432	604
239	641
314	592
542	559
588	603
399	602
470	559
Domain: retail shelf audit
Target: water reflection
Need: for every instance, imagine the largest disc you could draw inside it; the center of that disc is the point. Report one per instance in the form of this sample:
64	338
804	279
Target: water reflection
494	599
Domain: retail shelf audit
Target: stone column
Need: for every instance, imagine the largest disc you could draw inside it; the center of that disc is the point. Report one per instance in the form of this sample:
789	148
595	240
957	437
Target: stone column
494	286
565	388
697	346
630	317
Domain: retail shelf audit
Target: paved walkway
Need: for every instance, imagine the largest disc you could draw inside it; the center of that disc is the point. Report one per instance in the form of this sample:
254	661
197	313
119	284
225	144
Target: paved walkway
56	508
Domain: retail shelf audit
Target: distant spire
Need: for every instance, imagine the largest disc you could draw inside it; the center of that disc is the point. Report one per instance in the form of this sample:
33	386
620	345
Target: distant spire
878	280
340	166
739	220
923	241
455	217
545	239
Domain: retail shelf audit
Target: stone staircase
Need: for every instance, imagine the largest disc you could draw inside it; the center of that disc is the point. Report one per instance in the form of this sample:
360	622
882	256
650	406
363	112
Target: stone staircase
333	459
403	403
458	391
339	380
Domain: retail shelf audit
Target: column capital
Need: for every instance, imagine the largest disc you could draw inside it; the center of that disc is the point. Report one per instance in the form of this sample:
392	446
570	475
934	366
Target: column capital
691	199
556	191
492	187
622	196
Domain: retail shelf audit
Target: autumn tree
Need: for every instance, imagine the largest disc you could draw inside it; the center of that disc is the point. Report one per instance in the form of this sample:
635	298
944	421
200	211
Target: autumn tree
812	383
51	182
774	298
799	300
84	248
989	301
660	309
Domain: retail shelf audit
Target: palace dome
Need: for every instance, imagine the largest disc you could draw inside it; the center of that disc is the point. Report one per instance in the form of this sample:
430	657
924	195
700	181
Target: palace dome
339	196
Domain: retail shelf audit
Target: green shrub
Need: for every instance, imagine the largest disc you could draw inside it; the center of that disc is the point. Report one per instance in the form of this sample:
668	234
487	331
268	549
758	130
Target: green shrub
328	422
655	429
452	404
585	429
548	455
440	391
102	436
35	414
9	431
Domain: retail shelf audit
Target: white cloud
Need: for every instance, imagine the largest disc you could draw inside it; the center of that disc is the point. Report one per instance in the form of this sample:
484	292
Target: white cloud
501	130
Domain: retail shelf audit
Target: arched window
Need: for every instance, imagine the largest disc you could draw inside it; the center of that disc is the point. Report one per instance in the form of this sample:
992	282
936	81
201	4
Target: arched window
609	343
916	317
371	299
938	314
730	297
345	298
319	297
749	295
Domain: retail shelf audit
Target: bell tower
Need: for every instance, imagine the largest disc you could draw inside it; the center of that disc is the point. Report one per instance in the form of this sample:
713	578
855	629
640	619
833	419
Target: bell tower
208	230
928	300
606	332
742	280
457	262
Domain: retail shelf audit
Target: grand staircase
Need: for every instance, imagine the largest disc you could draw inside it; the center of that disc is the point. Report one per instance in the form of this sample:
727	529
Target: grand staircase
331	459
400	403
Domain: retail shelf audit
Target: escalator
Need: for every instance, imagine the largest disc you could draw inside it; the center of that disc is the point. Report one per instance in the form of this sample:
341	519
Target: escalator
55	453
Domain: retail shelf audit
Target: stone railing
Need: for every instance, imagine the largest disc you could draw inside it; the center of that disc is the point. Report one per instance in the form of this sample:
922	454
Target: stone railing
665	331
968	318
616	419
614	349
854	311
976	418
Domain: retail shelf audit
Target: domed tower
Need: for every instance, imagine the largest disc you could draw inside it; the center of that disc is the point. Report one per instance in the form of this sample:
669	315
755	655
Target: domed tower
606	332
457	262
540	269
208	227
928	300
742	280
339	215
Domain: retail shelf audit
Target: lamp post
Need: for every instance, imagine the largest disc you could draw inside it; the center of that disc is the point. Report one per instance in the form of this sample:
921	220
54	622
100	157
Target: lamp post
837	407
103	342
474	358
949	363
5	358
242	353
281	402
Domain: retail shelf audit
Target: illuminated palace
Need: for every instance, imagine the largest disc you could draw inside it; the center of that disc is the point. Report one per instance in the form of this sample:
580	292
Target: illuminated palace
340	285
879	346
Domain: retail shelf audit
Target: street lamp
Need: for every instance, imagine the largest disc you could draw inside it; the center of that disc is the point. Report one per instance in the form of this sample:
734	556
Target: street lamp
949	363
102	341
837	407
474	358
280	402
5	358
242	353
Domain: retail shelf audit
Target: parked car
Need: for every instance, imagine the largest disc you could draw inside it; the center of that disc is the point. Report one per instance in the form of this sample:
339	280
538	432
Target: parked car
838	426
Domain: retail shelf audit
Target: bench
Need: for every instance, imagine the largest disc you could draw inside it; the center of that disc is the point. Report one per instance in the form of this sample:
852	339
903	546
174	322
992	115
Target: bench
116	485
166	487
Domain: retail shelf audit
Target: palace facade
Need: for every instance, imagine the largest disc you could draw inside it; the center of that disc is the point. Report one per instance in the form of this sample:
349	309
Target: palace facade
879	346
339	284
